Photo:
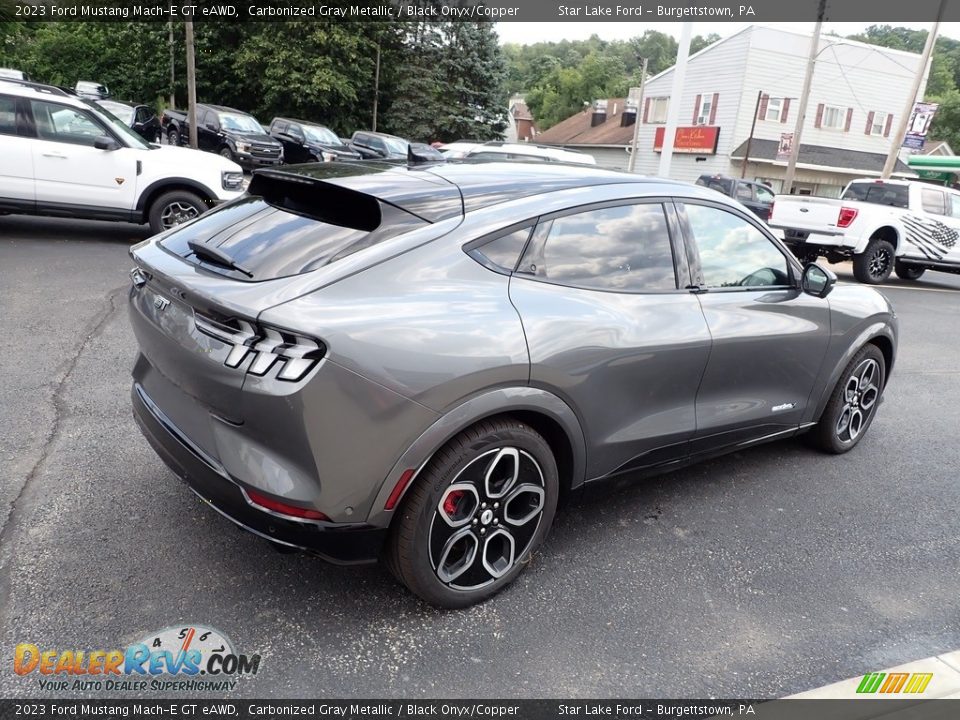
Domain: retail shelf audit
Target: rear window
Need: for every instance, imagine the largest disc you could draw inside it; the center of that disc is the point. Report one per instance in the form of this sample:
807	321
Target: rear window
879	193
721	185
290	229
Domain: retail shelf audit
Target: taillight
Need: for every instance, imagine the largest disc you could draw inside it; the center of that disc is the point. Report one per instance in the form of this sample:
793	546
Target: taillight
771	208
847	216
282	508
297	352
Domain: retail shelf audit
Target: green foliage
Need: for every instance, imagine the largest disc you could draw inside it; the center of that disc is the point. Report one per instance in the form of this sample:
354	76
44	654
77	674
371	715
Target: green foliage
443	81
946	123
557	78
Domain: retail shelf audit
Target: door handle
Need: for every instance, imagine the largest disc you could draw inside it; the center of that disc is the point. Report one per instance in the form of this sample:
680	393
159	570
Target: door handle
54	155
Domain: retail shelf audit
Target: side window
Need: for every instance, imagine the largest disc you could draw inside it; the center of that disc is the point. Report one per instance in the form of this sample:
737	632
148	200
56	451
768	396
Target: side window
933	201
502	252
8	115
763	194
734	253
64	124
278	127
744	192
295	132
624	248
954	205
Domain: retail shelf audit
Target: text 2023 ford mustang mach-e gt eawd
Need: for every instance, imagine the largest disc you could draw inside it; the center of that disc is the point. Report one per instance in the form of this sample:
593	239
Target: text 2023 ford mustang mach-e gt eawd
370	360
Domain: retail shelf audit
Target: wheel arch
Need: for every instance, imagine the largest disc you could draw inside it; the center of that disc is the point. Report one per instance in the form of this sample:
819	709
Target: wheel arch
878	334
546	413
157	188
889	232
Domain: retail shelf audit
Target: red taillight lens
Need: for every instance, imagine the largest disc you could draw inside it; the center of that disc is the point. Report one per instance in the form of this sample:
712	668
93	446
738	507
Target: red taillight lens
847	216
398	489
284	509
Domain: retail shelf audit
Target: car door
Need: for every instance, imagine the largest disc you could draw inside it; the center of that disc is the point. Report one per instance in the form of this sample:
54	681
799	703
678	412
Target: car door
293	145
933	235
208	132
70	172
17	185
612	330
769	337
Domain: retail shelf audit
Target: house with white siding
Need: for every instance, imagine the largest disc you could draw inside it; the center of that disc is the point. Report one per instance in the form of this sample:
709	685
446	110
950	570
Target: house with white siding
741	96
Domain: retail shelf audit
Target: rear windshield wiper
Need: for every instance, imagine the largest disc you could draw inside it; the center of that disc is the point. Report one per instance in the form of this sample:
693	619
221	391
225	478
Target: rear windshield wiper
216	256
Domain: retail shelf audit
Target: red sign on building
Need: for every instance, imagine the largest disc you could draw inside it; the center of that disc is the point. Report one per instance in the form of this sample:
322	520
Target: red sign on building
700	139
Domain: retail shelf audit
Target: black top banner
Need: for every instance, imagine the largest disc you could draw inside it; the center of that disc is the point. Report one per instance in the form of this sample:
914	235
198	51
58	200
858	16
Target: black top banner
743	11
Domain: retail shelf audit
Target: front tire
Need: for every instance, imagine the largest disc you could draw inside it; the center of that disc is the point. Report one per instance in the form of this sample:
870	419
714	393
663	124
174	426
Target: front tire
875	263
477	513
853	403
173	208
908	272
227	153
173	138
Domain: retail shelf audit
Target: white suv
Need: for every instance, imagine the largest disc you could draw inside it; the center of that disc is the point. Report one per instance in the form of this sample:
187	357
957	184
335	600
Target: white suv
65	156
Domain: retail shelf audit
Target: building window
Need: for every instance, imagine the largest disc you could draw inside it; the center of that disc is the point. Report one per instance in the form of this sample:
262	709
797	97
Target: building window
706	108
656	110
834	118
774	109
877	124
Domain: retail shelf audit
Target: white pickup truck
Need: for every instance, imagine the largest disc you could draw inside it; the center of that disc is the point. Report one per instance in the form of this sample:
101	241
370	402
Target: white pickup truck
883	225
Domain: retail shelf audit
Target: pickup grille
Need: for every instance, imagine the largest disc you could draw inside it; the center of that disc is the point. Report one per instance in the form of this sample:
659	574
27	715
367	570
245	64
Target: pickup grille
267	150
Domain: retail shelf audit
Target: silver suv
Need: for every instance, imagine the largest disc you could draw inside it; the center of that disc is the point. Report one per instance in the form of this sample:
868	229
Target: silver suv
418	363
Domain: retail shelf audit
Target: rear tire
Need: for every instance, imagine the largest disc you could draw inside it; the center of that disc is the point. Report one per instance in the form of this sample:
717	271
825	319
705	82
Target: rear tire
908	272
476	514
875	263
173	208
853	403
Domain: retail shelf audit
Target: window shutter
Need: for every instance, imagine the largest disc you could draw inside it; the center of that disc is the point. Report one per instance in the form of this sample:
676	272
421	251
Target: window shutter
646	109
846	127
786	110
762	111
870	116
818	121
886	128
696	109
713	108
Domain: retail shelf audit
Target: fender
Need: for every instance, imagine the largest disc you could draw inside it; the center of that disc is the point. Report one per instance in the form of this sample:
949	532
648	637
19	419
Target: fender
202	189
873	330
861	243
488	404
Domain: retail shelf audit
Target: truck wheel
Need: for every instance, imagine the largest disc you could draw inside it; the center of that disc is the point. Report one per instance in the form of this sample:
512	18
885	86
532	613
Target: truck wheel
227	153
908	272
874	264
173	208
173	138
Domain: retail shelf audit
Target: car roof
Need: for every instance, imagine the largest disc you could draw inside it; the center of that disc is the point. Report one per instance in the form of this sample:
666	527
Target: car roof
27	88
437	191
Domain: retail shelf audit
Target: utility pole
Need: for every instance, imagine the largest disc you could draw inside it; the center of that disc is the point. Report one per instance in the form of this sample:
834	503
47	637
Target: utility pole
753	127
173	78
804	96
191	86
376	88
897	142
636	120
676	92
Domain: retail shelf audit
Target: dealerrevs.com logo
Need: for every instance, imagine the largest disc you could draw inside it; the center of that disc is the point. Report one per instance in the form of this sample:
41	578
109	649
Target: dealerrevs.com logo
188	658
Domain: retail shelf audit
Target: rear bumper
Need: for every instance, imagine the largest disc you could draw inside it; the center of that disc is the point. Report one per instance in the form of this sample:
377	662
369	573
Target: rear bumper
340	543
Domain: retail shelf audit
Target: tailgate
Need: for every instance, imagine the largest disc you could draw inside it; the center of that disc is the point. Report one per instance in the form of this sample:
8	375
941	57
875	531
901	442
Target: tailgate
808	214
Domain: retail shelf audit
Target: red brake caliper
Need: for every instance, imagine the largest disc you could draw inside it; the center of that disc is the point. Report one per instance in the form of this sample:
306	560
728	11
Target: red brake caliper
451	502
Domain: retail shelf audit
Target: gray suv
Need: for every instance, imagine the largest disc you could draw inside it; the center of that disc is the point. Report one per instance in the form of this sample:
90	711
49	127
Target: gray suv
416	363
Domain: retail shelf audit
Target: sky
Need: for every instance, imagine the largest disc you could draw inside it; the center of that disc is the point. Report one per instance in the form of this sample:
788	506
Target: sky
527	33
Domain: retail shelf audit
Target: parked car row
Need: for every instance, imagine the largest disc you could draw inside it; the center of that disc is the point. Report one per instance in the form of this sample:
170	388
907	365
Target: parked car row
69	156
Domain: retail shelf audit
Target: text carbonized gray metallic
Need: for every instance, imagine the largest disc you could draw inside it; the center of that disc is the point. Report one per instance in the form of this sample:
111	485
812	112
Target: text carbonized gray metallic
416	363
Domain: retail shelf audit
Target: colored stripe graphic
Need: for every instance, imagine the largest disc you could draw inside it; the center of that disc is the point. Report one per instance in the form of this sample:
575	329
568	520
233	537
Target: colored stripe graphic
895	682
918	683
871	682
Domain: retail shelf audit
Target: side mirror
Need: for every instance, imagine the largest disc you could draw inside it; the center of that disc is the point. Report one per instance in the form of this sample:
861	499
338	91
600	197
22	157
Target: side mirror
210	126
106	143
817	281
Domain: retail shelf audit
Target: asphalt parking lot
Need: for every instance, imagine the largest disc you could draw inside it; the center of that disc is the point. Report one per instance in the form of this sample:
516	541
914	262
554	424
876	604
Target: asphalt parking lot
761	574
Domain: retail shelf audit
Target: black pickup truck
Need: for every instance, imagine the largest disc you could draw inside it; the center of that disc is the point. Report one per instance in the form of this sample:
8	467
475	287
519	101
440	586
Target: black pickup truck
231	133
757	197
